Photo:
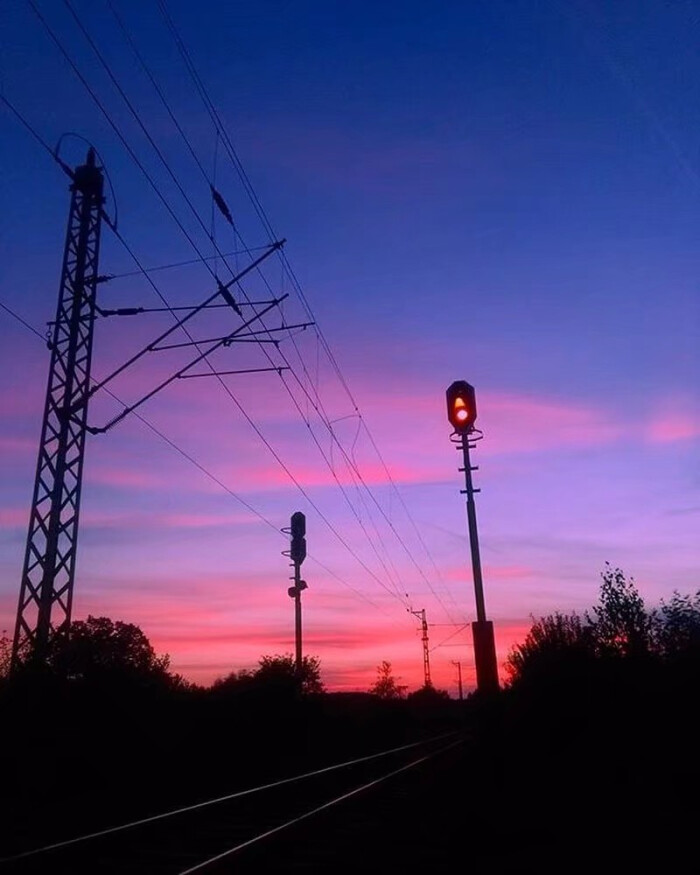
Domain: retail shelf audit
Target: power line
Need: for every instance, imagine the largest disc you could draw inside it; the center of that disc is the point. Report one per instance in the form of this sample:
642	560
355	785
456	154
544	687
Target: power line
323	417
22	120
139	164
196	213
449	637
221	131
118	276
23	321
203	469
191	241
146	422
318	403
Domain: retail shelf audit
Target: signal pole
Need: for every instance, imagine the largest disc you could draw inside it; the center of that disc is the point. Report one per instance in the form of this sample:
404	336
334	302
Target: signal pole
46	590
297	554
459	675
426	651
461	413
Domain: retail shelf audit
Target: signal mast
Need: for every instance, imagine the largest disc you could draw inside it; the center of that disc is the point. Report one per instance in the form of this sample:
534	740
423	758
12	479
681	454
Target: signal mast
461	413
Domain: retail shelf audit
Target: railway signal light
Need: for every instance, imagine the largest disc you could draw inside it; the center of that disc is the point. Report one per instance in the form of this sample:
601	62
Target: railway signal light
297	552
461	406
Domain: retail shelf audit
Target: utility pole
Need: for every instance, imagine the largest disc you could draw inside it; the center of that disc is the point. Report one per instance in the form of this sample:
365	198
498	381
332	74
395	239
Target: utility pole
461	413
459	675
426	651
46	590
297	554
48	573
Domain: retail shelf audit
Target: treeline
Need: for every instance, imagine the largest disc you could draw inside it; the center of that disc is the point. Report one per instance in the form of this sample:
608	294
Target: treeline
620	667
593	742
619	635
598	714
101	656
109	732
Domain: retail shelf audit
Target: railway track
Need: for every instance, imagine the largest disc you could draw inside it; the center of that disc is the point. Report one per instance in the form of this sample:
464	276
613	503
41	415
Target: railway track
298	823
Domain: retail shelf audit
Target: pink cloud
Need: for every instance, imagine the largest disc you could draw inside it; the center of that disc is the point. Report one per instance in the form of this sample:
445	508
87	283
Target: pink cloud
272	476
12	517
124	477
16	446
672	427
526	423
491	572
25	401
516	425
201	520
97	518
513	423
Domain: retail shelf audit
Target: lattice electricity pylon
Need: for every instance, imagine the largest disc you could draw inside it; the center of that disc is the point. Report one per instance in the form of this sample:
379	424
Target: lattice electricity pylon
46	591
426	649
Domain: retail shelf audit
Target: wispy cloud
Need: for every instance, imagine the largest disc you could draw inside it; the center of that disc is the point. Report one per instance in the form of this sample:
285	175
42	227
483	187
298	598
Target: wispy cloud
673	427
13	517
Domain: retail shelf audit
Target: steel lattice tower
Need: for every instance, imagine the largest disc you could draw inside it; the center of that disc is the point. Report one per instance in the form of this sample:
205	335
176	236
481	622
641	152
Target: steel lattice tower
46	591
426	649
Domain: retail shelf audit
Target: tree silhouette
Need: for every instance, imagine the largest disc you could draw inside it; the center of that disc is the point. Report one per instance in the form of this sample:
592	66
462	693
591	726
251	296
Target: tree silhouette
622	626
279	672
386	685
553	645
428	695
677	626
619	626
234	681
101	651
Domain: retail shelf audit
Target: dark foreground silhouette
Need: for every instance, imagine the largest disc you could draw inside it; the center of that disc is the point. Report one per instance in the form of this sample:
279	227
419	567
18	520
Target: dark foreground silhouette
587	761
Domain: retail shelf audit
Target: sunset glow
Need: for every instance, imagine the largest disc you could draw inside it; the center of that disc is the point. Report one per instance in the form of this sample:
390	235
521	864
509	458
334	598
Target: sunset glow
433	183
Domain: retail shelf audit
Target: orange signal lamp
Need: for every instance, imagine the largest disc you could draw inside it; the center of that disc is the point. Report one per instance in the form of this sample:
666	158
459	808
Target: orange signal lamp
461	406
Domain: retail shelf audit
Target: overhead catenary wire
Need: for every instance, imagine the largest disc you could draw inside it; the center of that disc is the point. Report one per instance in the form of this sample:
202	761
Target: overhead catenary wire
398	589
321	416
394	592
261	436
221	131
143	419
23	121
449	637
205	471
185	263
210	182
316	402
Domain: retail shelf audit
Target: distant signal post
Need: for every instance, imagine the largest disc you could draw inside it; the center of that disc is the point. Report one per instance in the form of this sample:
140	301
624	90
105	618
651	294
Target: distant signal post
297	553
461	413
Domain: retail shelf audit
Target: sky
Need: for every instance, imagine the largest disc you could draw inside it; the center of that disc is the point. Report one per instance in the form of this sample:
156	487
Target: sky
506	193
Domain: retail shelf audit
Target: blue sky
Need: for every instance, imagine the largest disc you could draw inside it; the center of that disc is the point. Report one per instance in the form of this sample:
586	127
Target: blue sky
506	193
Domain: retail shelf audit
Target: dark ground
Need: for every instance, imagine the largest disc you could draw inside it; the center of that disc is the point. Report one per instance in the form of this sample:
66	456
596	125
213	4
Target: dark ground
561	784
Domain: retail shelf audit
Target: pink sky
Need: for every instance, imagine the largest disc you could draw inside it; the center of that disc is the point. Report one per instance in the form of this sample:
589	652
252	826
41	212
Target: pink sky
165	547
465	196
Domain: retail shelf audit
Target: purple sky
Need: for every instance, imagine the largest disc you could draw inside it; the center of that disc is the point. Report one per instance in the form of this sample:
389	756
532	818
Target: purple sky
506	193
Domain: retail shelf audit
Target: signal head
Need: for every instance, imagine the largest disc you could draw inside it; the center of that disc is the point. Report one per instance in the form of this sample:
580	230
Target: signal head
298	526
461	406
298	543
